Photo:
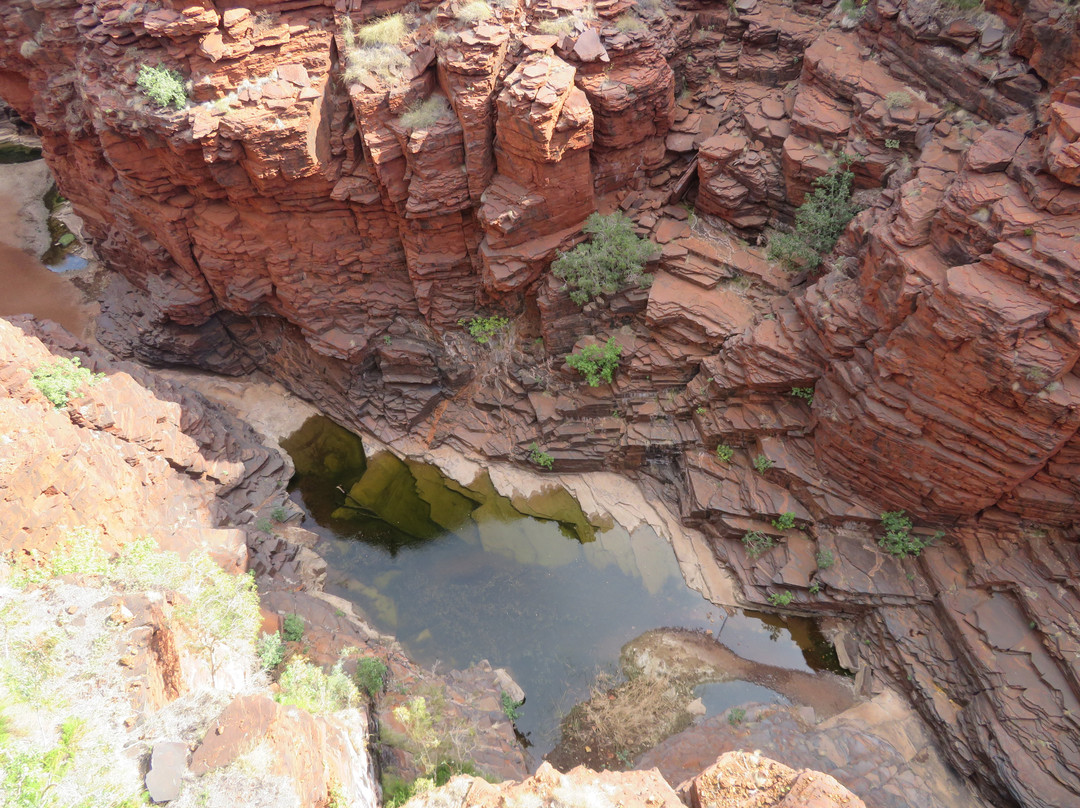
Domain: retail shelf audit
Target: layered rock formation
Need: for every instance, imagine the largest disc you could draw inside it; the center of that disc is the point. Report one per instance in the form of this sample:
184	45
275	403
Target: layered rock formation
290	218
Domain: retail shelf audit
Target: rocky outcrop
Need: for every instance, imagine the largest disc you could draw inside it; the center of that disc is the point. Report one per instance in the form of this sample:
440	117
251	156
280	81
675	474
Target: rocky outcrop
147	649
736	780
293	222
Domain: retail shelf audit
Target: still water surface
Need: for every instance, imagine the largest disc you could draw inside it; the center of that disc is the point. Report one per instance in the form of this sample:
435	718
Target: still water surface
459	574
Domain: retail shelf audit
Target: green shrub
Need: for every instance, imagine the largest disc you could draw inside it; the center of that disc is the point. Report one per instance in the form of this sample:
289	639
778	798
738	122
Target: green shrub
963	5
292	628
757	543
539	457
724	453
898	540
60	379
597	364
854	8
781	598
474	12
270	650
509	706
425	113
785	521
815	587
162	86
736	716
805	393
892	143
614	257
279	514
371	675
762	463
483	329
819	221
825	559
307	686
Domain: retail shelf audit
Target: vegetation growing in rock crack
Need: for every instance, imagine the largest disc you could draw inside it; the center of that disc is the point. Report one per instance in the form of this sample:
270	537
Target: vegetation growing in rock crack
757	543
375	49
425	113
614	257
805	393
510	706
819	221
597	364
60	379
898	540
724	453
484	329
371	675
781	598
736	716
539	457
762	463
785	521
163	86
825	559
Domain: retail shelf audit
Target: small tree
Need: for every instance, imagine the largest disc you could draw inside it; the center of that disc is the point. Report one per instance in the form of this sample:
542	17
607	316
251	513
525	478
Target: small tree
596	364
614	257
819	221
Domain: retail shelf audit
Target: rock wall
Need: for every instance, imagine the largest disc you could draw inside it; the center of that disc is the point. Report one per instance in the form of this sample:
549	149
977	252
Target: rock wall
290	219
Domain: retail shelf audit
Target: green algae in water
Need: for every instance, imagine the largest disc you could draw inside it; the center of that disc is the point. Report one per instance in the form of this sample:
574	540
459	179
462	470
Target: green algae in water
460	573
17	153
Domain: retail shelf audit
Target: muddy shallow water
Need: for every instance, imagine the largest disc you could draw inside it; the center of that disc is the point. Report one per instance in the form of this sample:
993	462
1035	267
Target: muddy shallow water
459	574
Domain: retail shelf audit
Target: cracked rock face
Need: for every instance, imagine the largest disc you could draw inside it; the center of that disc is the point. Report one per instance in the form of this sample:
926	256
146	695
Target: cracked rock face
295	221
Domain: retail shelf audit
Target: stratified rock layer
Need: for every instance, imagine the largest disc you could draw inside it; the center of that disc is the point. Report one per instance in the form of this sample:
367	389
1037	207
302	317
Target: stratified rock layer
293	221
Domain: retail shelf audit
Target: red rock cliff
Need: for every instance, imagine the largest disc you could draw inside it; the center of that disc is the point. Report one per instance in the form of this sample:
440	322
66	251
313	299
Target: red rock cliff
295	218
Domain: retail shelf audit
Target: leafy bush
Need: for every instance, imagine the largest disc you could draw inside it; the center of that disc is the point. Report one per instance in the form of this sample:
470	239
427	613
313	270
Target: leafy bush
724	453
539	456
819	221
59	379
162	86
757	543
307	686
292	628
279	514
420	731
510	706
614	257
892	143
482	329
736	716
270	650
474	11
762	463
371	675
781	598
805	393
898	540
825	559
426	113
785	521
596	364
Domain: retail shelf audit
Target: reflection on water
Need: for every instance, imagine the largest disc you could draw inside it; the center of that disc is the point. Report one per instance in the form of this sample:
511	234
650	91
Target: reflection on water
460	573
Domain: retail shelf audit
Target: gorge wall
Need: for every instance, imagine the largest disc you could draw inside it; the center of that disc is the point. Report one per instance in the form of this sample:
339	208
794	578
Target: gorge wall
294	218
